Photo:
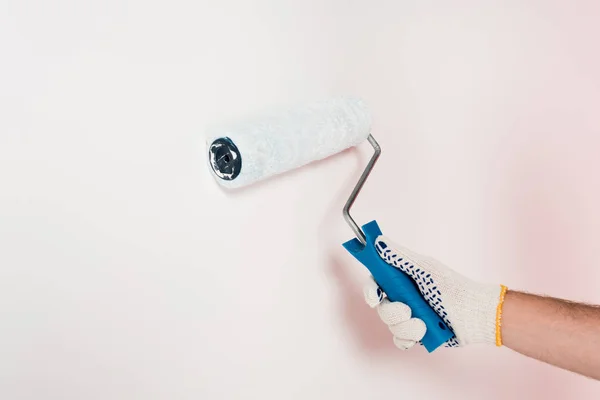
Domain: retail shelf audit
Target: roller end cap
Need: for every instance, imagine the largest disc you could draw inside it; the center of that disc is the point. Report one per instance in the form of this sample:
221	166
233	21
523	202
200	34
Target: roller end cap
225	159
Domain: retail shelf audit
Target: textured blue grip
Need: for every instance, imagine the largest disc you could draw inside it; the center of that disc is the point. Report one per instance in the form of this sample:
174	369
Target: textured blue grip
399	287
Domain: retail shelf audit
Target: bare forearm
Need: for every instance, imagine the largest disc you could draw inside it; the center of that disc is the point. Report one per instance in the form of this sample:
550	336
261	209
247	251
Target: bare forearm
558	332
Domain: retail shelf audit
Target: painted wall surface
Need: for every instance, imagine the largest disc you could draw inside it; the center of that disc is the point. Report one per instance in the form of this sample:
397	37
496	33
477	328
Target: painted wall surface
126	273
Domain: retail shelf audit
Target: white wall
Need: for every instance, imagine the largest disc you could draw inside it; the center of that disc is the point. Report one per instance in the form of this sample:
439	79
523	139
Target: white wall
125	272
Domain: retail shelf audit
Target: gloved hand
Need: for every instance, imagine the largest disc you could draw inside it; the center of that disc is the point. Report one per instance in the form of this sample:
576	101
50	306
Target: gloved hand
471	309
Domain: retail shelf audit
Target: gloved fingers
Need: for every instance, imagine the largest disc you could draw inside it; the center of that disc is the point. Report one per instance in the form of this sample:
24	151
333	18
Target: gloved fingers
452	342
402	257
403	344
373	293
414	329
395	253
392	313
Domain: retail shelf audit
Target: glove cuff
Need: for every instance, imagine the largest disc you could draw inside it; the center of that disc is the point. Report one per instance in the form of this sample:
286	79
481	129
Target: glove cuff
482	311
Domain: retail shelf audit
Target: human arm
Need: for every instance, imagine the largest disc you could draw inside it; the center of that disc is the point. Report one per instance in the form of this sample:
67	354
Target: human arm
558	332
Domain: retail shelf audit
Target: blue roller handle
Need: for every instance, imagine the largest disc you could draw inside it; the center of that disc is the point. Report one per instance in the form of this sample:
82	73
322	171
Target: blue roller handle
399	287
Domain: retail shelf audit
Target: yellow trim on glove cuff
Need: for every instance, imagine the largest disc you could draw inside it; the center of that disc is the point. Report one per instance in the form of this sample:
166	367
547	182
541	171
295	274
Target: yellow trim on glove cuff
499	316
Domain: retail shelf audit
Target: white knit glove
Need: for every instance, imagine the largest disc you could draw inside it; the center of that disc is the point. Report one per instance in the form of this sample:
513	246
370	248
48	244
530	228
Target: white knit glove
469	308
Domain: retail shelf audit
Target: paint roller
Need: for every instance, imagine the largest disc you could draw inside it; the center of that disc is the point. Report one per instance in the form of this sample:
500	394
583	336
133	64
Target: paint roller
262	146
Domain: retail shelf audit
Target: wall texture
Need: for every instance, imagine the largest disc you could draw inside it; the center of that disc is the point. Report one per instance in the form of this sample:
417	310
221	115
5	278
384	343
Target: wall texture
126	273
